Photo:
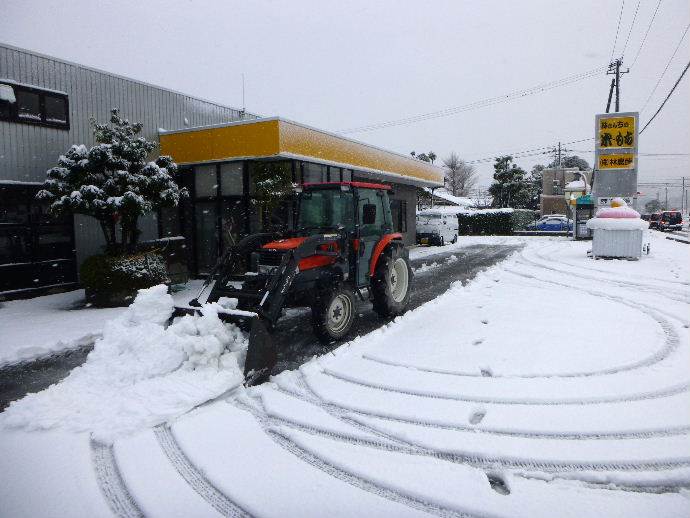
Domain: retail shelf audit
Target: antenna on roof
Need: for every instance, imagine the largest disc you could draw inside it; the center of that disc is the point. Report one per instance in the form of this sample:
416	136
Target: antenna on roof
244	110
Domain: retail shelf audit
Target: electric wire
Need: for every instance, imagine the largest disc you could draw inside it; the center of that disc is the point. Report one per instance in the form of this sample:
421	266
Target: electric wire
543	150
517	94
618	27
644	38
668	96
666	67
632	24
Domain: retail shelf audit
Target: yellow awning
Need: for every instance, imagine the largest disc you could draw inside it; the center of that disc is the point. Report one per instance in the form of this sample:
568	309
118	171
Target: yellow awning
278	138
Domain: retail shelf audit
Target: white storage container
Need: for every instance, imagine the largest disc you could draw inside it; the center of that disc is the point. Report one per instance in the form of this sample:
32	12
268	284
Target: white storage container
618	243
621	238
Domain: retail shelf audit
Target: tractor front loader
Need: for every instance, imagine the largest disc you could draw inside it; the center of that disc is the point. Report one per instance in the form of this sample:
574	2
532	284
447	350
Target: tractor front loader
342	248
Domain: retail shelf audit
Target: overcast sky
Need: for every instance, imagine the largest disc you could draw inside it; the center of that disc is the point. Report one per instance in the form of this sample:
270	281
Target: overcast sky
338	65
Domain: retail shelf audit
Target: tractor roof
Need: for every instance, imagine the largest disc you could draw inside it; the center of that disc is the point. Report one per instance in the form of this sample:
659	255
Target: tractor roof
361	185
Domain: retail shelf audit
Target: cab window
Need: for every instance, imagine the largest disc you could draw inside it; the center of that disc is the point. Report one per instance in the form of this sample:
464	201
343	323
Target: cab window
370	197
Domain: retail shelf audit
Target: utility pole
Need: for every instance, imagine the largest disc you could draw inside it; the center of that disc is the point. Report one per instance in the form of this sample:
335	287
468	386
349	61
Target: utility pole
666	200
615	69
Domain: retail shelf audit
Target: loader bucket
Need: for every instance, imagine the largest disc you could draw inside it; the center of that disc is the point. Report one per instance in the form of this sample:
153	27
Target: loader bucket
261	354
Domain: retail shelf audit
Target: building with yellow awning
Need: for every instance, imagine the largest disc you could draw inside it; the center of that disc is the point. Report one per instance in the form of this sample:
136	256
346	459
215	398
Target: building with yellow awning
225	167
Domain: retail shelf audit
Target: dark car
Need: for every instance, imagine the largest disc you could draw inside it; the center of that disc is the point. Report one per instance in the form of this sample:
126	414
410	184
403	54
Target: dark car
654	220
670	220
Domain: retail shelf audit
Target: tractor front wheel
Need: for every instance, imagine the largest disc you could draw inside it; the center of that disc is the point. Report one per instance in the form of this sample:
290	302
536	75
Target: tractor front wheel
333	314
391	285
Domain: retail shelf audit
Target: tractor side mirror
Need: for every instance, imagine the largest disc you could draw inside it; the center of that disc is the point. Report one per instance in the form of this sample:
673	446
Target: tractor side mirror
369	214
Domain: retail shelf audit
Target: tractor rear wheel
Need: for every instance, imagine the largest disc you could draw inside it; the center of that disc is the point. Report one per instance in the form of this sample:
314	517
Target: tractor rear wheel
391	285
333	314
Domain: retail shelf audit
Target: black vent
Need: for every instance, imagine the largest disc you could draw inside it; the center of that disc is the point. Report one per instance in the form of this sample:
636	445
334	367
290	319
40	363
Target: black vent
270	258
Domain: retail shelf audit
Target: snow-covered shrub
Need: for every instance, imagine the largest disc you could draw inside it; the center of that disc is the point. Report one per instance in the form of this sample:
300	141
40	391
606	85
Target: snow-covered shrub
113	182
114	280
494	221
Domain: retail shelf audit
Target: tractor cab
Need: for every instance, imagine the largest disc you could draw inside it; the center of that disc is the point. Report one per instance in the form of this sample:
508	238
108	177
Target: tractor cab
357	212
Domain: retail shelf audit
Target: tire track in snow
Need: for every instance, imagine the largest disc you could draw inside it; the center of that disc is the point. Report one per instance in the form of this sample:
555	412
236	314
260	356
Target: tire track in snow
111	483
284	441
671	340
343	414
529	262
484	462
671	343
634	285
652	394
195	477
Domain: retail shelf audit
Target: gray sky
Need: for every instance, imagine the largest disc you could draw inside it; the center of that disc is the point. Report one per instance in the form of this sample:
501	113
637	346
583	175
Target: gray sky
337	65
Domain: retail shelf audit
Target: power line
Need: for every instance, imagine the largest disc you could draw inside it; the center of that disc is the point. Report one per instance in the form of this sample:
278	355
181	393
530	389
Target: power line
620	15
632	24
666	67
637	55
446	112
668	96
544	150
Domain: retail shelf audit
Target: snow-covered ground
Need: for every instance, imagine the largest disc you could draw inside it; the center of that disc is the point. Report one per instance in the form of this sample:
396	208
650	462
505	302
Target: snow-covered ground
551	385
41	326
38	327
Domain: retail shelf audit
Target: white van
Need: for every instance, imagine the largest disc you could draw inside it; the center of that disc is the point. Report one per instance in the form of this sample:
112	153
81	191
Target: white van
436	228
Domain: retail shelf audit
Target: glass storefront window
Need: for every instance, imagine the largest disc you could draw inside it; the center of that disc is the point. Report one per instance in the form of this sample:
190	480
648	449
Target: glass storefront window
314	173
205	181
231	179
334	174
205	218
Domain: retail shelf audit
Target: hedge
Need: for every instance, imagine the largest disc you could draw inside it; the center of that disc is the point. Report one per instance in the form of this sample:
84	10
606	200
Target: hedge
494	222
114	280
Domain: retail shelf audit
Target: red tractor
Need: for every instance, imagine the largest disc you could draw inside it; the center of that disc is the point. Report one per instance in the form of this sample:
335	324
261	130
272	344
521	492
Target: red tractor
342	250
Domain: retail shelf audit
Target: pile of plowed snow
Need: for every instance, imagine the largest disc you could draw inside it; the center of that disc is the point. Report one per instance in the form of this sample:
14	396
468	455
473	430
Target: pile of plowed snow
141	373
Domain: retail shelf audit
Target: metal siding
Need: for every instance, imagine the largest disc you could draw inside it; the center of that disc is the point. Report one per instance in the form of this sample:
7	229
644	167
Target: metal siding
27	151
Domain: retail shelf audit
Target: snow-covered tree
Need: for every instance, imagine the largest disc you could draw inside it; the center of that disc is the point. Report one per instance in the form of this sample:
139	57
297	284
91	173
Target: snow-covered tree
511	188
460	176
113	181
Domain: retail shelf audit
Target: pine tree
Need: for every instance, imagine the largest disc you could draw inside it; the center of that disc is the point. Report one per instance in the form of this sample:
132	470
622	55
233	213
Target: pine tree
113	182
510	187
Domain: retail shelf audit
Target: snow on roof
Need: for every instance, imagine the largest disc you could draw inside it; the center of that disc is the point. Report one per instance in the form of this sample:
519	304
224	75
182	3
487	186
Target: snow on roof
575	185
460	201
442	209
7	93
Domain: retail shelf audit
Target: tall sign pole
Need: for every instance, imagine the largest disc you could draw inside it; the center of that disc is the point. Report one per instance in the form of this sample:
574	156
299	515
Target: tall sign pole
615	157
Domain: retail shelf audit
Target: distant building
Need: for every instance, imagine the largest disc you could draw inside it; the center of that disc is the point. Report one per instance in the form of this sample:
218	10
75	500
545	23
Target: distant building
552	200
442	198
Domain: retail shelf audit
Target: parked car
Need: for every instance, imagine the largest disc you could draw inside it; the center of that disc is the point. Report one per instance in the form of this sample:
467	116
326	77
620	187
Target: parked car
436	228
670	220
654	220
552	223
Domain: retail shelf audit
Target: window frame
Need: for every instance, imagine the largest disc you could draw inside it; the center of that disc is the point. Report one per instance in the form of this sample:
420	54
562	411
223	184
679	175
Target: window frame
13	113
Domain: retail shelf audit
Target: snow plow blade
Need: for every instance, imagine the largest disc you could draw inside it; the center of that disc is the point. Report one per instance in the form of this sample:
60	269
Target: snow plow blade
261	352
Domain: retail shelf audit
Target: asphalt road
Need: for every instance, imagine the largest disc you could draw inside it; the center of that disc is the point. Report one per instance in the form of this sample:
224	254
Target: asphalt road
293	335
297	345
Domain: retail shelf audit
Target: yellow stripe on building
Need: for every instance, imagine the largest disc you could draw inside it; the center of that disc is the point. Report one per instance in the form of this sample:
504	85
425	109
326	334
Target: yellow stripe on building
266	138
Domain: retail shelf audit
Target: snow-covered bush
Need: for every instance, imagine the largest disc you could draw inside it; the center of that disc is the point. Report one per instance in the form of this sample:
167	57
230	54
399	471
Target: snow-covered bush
494	221
113	182
112	280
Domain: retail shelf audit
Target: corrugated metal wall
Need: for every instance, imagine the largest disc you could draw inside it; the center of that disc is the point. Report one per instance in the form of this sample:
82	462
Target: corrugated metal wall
28	150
